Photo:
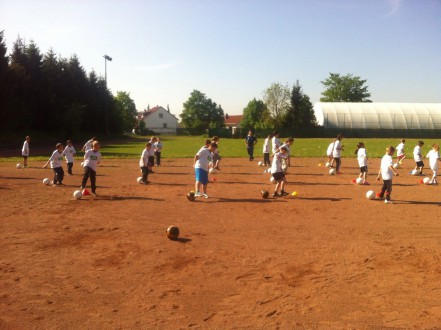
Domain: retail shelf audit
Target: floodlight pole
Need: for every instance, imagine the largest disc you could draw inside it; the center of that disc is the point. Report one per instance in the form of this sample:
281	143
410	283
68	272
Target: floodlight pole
106	58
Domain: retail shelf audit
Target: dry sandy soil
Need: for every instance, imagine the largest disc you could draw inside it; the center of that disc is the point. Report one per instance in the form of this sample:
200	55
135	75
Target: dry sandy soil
328	258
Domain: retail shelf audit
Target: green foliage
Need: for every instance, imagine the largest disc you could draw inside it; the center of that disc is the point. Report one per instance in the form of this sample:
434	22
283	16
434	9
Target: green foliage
347	88
301	112
276	98
201	112
255	115
127	109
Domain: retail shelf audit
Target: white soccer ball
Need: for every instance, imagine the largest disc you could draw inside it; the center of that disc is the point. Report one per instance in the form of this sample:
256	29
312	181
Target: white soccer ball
332	171
46	182
370	194
426	180
139	180
212	170
77	194
396	165
272	180
359	180
260	163
414	172
328	164
18	165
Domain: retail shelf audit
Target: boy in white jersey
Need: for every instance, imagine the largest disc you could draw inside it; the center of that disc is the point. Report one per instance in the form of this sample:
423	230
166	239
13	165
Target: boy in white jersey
266	151
277	172
275	142
433	156
418	157
329	153
387	172
88	145
216	156
144	162
56	161
92	158
362	161
400	152
157	147
151	159
201	164
336	153
25	151
69	152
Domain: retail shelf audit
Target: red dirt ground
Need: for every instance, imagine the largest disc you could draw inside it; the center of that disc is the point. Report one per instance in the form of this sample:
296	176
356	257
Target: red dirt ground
329	258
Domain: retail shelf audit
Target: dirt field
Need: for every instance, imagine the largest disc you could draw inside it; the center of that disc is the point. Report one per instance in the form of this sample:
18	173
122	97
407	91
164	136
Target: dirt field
329	258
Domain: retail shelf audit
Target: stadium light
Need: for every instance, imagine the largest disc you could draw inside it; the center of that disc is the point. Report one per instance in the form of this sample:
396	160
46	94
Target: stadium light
106	58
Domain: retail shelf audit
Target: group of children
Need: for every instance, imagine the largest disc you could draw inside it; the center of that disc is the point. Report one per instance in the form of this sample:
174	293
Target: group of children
152	150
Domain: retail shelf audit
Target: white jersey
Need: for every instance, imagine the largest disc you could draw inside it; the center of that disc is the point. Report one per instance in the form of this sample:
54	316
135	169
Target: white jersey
400	149
275	144
287	146
88	145
144	158
336	153
92	159
56	159
276	165
266	146
433	156
25	149
69	153
330	149
417	154
158	146
386	172
204	158
362	157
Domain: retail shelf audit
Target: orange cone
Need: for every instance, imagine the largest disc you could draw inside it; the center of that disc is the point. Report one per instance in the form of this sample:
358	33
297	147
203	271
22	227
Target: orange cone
86	192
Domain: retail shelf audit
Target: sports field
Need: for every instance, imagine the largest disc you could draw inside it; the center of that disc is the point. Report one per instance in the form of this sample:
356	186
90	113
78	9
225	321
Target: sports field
328	258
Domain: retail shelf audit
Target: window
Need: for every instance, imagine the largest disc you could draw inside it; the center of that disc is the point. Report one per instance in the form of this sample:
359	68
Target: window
161	115
164	125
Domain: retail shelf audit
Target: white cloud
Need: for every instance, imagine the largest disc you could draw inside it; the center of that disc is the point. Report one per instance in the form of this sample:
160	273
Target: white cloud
394	7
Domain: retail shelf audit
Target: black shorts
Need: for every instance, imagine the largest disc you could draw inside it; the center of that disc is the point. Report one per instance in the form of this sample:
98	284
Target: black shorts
216	157
151	160
363	169
25	157
420	163
278	176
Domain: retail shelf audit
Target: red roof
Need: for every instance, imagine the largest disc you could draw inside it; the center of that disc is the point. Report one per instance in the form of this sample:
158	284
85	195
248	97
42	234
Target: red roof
235	119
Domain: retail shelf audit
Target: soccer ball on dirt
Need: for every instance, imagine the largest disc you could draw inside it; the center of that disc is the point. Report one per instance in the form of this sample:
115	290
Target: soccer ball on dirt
212	170
191	196
265	194
139	180
18	165
359	180
396	165
260	164
370	194
332	171
46	181
272	180
414	172
77	194
426	180
172	232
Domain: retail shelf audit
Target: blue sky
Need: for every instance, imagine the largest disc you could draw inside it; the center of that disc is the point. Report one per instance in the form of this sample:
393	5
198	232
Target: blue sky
233	50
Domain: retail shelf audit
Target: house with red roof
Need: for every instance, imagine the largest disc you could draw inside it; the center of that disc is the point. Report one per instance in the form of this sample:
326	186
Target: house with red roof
233	122
159	120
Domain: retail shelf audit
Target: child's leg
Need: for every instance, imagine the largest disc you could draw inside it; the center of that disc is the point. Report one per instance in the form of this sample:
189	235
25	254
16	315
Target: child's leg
337	164
69	168
433	180
383	188
276	188
145	173
388	189
25	161
85	177
93	180
60	175
55	180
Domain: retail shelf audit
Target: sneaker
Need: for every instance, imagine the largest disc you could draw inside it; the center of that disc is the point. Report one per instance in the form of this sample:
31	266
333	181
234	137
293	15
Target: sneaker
198	194
283	193
338	172
276	195
388	201
204	195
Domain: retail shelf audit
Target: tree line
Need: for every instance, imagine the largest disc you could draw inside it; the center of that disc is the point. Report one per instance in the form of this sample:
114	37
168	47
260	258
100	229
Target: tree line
51	93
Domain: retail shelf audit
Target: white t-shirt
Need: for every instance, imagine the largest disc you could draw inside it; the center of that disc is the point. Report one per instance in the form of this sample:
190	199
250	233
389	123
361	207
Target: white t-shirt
144	158
69	152
417	154
56	159
276	165
287	146
25	149
92	159
88	145
433	159
151	152
275	144
158	146
330	149
400	149
205	157
386	172
336	153
266	146
362	157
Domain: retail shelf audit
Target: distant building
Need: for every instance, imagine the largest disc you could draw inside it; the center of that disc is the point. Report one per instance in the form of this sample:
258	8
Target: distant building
159	120
233	122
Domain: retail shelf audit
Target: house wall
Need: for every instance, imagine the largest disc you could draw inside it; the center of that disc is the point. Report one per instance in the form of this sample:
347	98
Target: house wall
155	123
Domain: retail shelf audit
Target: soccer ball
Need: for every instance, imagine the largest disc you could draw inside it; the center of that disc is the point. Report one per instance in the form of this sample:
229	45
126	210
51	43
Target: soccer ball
212	170
139	180
46	182
18	165
191	196
370	194
328	164
414	172
332	171
260	163
396	165
426	180
172	232
265	194
77	194
359	181
272	180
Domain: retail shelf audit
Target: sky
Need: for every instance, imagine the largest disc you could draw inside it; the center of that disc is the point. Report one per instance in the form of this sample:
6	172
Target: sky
232	50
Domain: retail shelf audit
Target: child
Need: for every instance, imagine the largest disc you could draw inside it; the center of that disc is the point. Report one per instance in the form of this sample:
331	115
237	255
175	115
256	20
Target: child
92	158
387	172
250	142
69	152
336	153
56	164
400	152
89	144
25	151
144	161
362	161
433	156
151	159
275	142
158	148
216	157
418	156
201	163
329	153
266	155
288	143
277	172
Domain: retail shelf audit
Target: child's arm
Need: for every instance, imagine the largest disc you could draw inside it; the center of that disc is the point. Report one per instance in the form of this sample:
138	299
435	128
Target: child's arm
393	170
47	163
379	174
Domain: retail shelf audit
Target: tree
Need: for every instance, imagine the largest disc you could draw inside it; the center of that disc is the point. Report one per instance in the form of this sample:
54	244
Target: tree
347	88
255	115
126	108
276	98
201	112
301	112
